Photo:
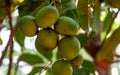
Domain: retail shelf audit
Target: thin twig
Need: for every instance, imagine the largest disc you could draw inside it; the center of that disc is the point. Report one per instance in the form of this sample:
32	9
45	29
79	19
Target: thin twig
116	55
10	58
8	8
16	68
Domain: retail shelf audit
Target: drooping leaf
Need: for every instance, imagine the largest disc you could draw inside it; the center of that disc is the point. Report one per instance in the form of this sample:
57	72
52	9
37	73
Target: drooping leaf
96	16
35	70
31	59
82	11
106	51
30	7
87	68
68	4
20	37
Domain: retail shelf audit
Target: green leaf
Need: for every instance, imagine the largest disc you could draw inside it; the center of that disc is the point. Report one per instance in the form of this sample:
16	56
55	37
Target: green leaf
35	70
49	72
82	39
31	59
96	16
30	7
108	48
68	4
82	11
48	55
73	14
1	42
108	20
20	37
87	68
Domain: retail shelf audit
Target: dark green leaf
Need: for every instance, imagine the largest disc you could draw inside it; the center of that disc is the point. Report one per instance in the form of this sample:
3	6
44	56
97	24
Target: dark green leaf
86	69
31	59
49	55
83	39
20	37
68	4
73	14
30	7
36	70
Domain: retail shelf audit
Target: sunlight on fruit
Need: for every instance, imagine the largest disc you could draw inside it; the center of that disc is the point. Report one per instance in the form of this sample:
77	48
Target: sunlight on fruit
20	1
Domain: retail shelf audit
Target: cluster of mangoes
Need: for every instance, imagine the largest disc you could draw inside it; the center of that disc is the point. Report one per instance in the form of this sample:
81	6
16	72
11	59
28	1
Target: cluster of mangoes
48	25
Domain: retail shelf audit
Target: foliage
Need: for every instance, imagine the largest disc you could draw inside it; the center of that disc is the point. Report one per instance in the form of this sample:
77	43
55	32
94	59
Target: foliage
98	34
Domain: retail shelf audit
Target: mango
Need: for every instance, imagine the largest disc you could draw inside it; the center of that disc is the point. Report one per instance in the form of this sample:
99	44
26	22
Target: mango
66	26
46	16
27	25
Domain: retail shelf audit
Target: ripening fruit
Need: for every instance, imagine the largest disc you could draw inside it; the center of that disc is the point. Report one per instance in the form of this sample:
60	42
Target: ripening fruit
27	25
66	26
62	67
47	38
39	48
69	47
77	61
46	16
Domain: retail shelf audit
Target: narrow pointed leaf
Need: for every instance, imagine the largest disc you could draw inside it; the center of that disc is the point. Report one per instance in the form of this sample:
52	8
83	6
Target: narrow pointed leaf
106	51
82	11
20	37
96	16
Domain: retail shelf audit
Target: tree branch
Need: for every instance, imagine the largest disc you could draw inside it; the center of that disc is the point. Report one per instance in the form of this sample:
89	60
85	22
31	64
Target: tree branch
10	41
10	58
8	8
